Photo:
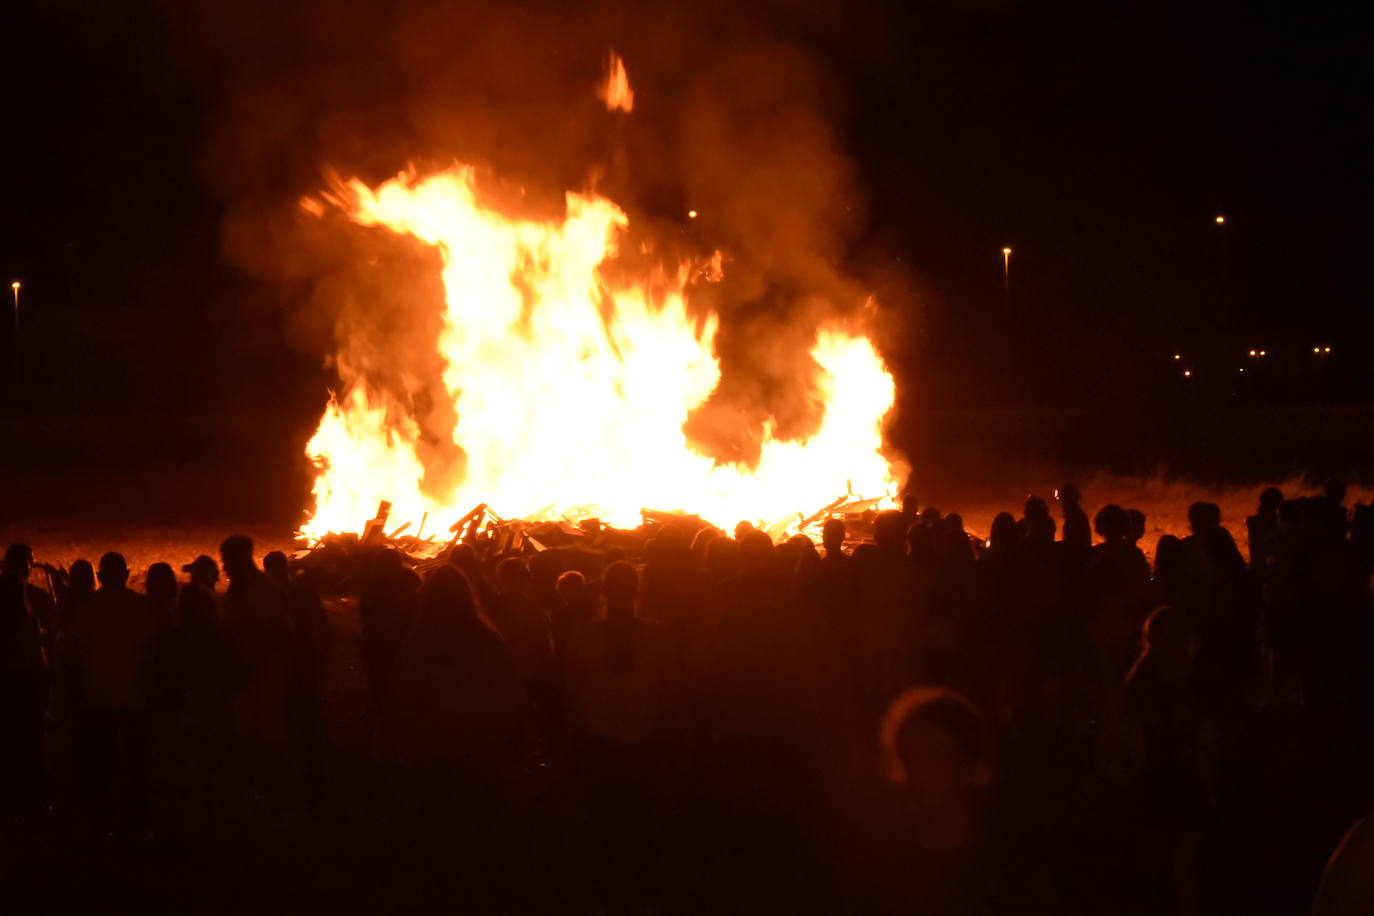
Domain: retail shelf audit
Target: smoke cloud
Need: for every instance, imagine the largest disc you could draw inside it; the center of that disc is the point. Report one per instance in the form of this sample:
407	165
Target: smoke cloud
732	118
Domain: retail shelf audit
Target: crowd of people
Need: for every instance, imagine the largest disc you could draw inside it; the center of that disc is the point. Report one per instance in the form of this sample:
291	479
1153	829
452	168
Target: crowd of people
916	719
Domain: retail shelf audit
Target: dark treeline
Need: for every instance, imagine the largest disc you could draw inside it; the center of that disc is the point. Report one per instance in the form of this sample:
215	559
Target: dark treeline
914	721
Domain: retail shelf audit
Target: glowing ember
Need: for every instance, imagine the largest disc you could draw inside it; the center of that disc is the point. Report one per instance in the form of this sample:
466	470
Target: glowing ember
571	391
616	91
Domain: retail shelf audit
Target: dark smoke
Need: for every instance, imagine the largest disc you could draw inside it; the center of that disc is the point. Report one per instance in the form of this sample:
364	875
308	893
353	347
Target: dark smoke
735	116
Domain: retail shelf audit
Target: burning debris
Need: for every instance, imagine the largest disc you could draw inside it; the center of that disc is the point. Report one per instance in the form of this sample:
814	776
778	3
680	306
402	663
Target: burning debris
333	561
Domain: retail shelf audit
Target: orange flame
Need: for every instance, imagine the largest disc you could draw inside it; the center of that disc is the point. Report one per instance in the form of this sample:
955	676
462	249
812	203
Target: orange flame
571	391
616	91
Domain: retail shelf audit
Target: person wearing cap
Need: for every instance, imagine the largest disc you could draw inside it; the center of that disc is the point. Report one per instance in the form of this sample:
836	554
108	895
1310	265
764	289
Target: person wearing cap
203	571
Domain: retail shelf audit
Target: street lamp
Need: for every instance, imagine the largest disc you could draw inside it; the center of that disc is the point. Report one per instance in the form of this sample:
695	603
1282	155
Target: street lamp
1220	219
15	286
1006	275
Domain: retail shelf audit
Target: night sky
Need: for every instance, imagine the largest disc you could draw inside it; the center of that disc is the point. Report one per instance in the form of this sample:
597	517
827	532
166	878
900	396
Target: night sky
1099	141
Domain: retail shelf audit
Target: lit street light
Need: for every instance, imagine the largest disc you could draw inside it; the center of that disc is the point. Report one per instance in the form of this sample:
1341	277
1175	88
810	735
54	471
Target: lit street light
15	286
1006	276
1220	219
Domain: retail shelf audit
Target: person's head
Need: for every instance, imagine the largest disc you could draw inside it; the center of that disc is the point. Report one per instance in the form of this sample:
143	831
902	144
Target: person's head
446	598
1169	558
160	584
81	578
756	553
1203	516
742	528
1270	499
513	576
1036	508
889	533
619	585
930	516
1334	490
722	559
203	571
236	553
276	566
1137	524
1068	496
832	537
465	558
935	747
18	561
113	572
196	606
572	589
1112	523
911	507
1169	636
1002	537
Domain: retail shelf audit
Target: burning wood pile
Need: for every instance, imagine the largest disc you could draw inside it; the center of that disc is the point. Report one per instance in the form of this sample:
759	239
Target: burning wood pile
333	561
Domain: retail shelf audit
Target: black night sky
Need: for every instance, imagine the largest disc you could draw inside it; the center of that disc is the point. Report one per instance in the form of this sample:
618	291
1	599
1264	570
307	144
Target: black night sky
1099	141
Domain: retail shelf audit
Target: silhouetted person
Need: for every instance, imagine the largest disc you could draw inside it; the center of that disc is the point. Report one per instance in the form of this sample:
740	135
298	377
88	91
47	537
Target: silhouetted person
388	603
203	571
1137	526
19	566
456	692
1347	885
22	682
1263	527
921	837
617	668
832	539
1332	515
1076	528
1120	582
308	629
80	587
160	588
522	623
198	676
576	608
256	611
109	650
1169	700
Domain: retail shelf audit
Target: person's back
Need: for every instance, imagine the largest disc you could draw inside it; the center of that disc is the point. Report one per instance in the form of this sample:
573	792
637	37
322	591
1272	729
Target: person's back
110	642
256	608
617	668
456	693
22	671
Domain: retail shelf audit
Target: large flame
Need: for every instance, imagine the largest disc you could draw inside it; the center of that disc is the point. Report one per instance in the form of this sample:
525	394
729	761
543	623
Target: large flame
571	391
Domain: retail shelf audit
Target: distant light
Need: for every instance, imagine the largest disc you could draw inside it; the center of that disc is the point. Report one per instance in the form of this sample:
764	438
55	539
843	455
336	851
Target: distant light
1264	353
691	214
1254	353
14	285
1006	251
1178	356
1187	373
1220	220
1316	349
1327	350
1241	369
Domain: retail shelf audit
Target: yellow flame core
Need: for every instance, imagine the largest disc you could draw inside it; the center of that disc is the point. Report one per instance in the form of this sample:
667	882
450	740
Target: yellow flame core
571	393
616	91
